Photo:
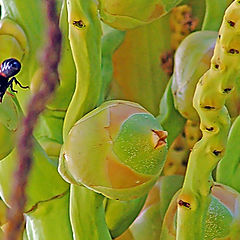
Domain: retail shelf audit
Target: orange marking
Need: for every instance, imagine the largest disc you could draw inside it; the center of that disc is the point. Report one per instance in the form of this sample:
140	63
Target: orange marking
2	74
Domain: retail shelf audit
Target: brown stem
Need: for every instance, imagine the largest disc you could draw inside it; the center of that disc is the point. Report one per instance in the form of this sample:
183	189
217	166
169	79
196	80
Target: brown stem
36	105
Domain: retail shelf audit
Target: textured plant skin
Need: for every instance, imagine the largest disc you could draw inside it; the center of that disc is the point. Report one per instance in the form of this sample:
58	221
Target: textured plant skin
209	100
222	218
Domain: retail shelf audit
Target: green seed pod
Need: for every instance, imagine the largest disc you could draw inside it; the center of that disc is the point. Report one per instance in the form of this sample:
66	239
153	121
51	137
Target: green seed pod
117	149
126	14
192	60
222	219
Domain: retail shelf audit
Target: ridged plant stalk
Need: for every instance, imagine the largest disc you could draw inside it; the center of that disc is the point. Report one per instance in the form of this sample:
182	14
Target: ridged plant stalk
85	41
86	206
209	99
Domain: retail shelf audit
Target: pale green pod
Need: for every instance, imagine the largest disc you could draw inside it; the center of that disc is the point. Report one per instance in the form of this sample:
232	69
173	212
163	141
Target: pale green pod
192	60
126	14
118	150
120	215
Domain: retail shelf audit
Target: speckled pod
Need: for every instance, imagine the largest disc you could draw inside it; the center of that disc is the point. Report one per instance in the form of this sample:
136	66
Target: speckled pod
222	219
118	150
126	14
209	100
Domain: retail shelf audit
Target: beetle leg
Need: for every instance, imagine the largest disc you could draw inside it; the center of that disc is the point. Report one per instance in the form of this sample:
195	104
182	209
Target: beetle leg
17	82
11	85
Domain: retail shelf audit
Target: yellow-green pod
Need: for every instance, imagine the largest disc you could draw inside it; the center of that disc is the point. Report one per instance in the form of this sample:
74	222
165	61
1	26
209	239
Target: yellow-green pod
118	150
124	14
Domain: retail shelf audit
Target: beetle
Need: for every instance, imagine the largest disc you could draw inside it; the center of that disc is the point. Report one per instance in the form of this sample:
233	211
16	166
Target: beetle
9	68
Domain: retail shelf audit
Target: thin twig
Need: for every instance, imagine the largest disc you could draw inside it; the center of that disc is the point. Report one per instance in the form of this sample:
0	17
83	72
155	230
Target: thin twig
36	105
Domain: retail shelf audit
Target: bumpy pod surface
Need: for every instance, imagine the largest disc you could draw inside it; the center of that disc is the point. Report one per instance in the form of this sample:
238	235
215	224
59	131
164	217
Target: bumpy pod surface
221	220
125	14
118	150
209	100
192	60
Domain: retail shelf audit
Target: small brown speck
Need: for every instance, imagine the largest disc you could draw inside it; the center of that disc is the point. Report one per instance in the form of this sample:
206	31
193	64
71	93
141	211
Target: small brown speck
210	129
233	51
217	152
185	204
209	107
79	24
231	23
227	90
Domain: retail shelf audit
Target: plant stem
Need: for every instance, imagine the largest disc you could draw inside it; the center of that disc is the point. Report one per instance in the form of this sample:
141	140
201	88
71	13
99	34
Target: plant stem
36	105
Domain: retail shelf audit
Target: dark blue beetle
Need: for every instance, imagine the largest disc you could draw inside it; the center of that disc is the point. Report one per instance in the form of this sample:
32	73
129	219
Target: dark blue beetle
8	69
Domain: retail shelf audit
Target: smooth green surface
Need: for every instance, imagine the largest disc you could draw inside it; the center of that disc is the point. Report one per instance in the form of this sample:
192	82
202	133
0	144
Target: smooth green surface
50	220
87	215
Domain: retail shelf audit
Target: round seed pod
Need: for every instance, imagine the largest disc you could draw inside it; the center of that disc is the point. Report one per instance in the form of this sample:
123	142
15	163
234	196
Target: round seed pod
222	220
124	14
117	150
